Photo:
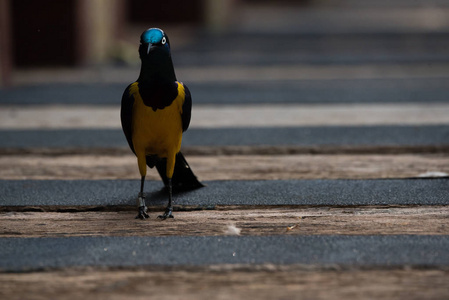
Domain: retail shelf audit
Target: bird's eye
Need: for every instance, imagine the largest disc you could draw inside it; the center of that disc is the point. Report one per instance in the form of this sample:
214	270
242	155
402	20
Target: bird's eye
163	41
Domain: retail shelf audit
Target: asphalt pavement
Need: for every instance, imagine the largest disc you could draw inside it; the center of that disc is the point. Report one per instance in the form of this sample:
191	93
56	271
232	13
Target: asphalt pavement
33	254
399	136
249	91
227	193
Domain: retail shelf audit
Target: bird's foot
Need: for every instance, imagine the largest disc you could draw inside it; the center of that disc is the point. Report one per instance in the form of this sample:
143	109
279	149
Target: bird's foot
167	214
142	213
142	208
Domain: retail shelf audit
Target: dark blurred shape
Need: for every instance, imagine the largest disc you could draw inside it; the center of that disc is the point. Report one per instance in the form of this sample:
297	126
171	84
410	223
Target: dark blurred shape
168	11
5	44
43	32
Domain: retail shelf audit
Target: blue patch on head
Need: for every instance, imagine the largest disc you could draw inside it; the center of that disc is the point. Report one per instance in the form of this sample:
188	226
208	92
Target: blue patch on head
152	36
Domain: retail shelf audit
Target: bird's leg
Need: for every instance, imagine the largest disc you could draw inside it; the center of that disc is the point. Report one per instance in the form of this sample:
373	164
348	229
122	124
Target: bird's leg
142	208
169	210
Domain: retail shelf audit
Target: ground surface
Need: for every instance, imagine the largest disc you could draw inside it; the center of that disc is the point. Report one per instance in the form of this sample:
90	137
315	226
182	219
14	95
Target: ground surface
225	281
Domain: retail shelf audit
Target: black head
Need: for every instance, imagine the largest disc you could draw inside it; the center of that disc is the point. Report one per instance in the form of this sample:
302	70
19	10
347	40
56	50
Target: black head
154	51
154	41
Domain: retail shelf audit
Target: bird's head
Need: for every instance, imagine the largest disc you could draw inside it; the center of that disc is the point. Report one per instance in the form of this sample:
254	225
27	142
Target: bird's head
154	51
154	42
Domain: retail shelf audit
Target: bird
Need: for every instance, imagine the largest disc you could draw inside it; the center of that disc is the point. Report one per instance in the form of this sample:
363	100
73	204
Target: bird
155	111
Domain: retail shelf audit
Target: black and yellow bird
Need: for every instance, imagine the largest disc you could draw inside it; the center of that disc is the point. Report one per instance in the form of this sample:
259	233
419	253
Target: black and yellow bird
155	111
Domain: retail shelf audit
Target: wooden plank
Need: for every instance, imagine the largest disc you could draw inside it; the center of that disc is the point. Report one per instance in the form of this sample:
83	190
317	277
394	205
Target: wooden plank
226	282
226	167
431	220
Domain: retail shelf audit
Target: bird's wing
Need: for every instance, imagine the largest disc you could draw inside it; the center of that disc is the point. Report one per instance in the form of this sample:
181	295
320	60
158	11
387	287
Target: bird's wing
186	109
126	114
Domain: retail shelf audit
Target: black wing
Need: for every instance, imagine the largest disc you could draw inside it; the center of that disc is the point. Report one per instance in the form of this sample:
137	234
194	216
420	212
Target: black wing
126	115
186	109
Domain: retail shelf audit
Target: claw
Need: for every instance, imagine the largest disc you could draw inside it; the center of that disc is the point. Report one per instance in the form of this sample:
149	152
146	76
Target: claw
168	214
142	213
142	207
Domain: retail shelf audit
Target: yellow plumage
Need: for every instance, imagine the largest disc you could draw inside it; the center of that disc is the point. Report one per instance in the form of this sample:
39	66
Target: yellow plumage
157	132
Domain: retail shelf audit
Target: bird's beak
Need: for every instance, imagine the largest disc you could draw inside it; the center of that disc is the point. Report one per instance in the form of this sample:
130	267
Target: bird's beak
151	47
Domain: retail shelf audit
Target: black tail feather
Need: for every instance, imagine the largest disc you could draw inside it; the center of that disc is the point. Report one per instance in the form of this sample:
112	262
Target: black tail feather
183	177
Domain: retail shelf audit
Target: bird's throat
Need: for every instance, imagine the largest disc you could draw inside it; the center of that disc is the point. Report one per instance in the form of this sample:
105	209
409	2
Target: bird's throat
157	69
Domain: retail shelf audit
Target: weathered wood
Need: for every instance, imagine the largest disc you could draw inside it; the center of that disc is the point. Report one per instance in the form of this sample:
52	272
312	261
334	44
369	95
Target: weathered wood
432	220
226	282
227	167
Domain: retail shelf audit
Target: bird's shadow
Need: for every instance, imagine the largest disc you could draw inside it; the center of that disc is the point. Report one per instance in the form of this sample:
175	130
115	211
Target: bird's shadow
160	197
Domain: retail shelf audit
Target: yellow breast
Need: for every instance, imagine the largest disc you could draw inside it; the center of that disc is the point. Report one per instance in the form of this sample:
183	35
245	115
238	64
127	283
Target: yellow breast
157	132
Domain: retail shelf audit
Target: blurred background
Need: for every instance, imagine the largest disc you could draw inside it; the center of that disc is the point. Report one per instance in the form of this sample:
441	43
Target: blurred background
45	41
305	73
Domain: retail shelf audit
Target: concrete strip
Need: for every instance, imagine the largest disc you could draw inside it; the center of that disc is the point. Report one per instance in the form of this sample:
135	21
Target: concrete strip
358	251
225	193
229	116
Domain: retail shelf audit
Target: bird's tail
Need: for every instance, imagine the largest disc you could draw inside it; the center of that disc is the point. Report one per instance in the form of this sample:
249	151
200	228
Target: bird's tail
183	177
